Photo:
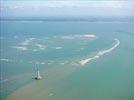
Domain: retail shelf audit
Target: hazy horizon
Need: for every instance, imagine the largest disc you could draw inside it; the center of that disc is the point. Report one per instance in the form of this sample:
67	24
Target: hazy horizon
66	8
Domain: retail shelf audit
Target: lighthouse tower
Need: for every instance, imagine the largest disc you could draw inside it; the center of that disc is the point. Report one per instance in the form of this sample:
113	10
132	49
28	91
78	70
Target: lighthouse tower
38	76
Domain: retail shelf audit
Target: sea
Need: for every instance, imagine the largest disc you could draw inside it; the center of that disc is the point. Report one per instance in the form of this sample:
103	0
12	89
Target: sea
77	60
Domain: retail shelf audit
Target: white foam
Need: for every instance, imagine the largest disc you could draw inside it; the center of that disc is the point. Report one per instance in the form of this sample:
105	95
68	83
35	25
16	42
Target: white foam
89	36
49	63
58	48
51	94
3	59
41	47
100	53
21	48
62	63
85	36
27	41
42	63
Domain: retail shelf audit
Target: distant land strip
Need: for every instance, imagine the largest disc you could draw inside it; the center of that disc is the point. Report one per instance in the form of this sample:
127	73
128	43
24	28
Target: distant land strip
112	19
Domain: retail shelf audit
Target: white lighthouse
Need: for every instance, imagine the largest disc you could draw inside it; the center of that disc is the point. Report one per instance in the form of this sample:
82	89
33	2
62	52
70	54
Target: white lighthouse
38	76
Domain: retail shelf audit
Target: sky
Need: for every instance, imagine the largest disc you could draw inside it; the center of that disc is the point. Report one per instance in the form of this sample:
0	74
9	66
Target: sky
67	8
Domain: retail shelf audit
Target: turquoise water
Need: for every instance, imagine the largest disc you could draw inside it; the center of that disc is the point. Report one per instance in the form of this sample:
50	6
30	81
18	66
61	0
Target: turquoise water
27	44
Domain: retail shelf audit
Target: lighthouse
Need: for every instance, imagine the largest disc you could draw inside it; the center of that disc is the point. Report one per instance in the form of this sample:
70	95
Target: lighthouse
38	76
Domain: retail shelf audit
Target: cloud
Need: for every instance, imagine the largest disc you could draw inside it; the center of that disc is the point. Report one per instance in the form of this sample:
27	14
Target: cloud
36	4
63	8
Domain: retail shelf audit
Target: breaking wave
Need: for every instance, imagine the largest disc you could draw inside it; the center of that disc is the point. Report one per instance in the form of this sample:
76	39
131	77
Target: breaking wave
3	59
71	37
27	41
20	48
100	53
23	46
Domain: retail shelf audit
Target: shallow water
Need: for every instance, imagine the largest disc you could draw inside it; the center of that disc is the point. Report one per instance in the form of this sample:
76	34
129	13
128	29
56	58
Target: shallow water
25	45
